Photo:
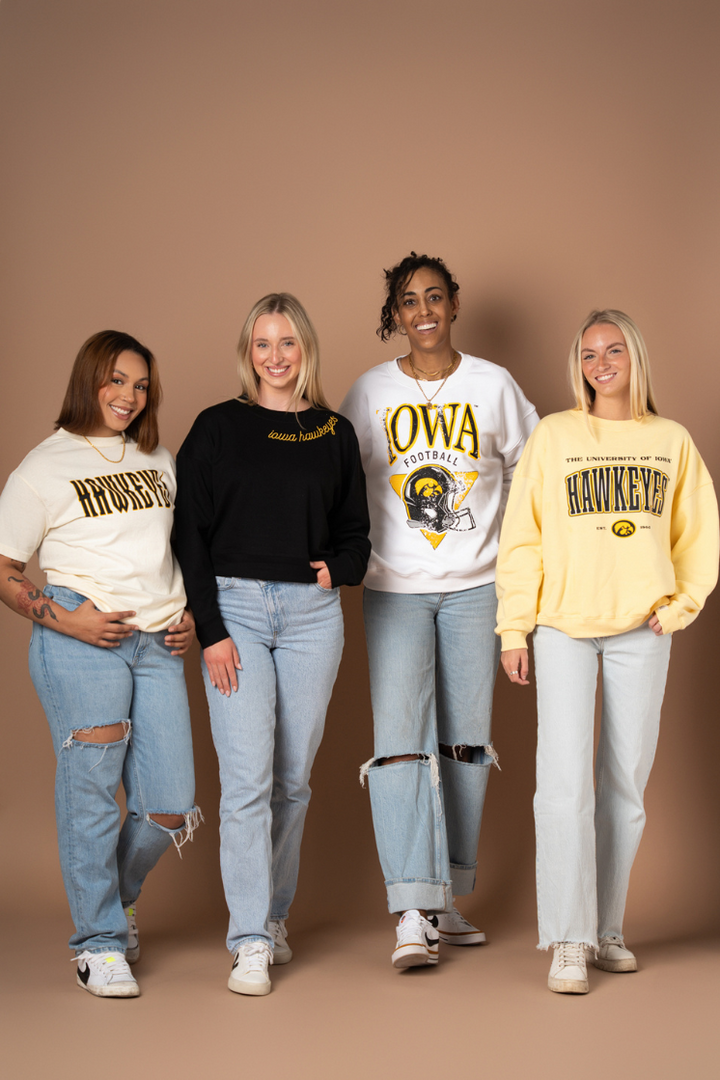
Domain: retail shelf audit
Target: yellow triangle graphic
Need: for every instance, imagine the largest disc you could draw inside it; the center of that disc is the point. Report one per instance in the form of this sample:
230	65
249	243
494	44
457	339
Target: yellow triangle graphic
468	478
434	538
397	482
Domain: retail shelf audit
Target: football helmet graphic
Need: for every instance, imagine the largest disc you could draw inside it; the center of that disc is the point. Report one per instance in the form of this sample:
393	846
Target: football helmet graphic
429	494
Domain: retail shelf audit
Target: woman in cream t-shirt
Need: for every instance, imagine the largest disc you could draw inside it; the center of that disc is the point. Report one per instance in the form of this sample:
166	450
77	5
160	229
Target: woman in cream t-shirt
95	500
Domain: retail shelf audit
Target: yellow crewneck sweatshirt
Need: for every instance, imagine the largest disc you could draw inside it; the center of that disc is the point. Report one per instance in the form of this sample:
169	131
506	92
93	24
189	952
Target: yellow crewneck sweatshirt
607	522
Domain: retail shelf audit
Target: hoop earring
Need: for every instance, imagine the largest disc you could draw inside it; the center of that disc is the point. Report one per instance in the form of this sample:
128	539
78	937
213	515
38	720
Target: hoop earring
400	330
453	318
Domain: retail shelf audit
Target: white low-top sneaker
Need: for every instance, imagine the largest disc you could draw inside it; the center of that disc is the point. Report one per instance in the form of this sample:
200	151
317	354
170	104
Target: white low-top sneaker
282	953
132	953
568	971
249	973
417	941
454	929
613	955
106	974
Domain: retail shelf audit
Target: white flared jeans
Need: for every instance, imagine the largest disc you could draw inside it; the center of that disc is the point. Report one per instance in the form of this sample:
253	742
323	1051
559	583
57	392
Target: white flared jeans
588	834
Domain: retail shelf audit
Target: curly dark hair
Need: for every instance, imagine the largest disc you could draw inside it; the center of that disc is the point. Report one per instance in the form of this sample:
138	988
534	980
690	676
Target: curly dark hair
397	278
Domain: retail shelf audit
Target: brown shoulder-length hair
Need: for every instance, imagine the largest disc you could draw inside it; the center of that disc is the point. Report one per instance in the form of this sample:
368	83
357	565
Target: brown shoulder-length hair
92	370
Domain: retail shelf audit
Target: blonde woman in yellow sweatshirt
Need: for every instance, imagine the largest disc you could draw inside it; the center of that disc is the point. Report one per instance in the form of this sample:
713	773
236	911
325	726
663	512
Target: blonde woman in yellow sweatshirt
609	545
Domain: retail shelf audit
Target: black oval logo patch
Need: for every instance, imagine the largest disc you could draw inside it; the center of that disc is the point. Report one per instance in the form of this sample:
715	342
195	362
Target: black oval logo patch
623	528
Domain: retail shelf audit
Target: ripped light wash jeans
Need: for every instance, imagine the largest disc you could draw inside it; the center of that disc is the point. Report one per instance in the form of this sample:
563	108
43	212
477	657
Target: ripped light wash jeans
142	686
587	838
433	661
290	638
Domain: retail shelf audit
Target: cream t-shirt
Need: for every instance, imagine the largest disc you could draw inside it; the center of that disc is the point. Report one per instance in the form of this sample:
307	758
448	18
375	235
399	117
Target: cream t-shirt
101	528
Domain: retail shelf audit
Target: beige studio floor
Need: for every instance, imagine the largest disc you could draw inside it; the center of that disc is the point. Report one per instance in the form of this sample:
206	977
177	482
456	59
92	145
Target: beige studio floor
339	1010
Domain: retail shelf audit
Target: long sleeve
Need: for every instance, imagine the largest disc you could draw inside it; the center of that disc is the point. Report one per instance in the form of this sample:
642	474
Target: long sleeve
694	543
194	517
519	572
349	521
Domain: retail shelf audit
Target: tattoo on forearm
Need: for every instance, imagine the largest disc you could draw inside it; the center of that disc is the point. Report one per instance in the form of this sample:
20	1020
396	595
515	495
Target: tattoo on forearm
27	597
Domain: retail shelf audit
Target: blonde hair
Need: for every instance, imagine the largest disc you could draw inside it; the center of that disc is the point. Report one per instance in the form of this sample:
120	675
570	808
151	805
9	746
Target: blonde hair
308	385
642	399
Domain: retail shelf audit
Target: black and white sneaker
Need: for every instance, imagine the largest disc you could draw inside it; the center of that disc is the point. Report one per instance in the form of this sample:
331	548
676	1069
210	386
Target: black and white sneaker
132	953
106	974
417	941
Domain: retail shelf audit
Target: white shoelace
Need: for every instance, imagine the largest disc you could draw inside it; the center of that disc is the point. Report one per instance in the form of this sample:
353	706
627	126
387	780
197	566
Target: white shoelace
571	954
257	955
410	929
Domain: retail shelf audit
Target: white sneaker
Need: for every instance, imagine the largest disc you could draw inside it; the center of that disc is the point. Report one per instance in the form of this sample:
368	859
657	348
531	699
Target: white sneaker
106	974
613	955
249	973
132	953
568	971
282	953
454	929
417	941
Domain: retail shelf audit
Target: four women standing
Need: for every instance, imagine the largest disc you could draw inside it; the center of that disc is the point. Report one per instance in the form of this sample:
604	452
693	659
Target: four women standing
610	544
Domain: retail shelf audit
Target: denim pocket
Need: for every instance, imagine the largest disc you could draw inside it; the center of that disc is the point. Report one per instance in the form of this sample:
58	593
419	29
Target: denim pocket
324	590
224	583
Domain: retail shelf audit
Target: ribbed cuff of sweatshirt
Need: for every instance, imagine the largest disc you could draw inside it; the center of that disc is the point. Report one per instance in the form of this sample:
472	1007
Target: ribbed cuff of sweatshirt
513	639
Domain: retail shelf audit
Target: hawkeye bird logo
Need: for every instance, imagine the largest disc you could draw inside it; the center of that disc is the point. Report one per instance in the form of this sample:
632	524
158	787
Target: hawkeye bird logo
432	495
623	528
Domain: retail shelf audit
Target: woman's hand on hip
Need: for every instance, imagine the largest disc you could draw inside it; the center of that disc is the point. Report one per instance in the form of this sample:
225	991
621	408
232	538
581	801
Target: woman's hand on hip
181	634
516	665
323	575
102	628
223	663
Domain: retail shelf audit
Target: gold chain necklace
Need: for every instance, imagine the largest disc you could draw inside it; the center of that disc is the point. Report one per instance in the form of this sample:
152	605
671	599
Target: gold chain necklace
430	374
122	433
449	372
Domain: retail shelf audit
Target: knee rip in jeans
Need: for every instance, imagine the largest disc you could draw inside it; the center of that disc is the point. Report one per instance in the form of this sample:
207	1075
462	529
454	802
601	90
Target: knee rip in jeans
104	735
177	824
377	763
472	755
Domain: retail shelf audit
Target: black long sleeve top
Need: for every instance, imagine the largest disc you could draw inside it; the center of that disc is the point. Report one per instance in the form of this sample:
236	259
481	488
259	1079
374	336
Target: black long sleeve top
262	494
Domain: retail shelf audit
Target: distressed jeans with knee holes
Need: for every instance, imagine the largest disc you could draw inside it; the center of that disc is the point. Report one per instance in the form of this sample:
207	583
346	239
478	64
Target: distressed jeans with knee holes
587	838
141	686
433	661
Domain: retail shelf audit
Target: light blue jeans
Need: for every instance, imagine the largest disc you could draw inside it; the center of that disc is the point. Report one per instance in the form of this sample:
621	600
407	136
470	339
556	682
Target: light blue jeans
290	639
140	685
587	838
433	661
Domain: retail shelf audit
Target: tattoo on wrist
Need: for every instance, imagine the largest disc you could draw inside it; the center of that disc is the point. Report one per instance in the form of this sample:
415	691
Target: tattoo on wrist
26	600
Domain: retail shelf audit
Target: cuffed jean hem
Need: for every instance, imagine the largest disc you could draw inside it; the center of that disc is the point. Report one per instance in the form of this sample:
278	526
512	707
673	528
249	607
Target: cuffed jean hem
463	879
424	895
249	940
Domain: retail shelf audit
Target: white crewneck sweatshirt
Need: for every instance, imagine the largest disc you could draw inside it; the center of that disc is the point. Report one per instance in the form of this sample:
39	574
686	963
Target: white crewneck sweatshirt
438	473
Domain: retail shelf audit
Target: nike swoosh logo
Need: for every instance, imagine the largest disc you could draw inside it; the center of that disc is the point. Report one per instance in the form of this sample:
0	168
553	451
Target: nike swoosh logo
432	941
84	975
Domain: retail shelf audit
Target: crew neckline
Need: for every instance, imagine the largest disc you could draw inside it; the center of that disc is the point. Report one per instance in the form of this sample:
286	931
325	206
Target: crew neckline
396	370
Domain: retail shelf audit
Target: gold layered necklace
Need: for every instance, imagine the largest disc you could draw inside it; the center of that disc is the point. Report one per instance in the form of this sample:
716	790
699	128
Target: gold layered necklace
447	372
124	444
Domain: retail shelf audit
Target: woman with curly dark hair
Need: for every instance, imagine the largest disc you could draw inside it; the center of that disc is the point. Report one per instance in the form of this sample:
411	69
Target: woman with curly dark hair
440	433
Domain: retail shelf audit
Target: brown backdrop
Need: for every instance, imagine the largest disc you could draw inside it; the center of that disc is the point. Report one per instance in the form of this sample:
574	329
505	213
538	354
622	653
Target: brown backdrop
167	162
